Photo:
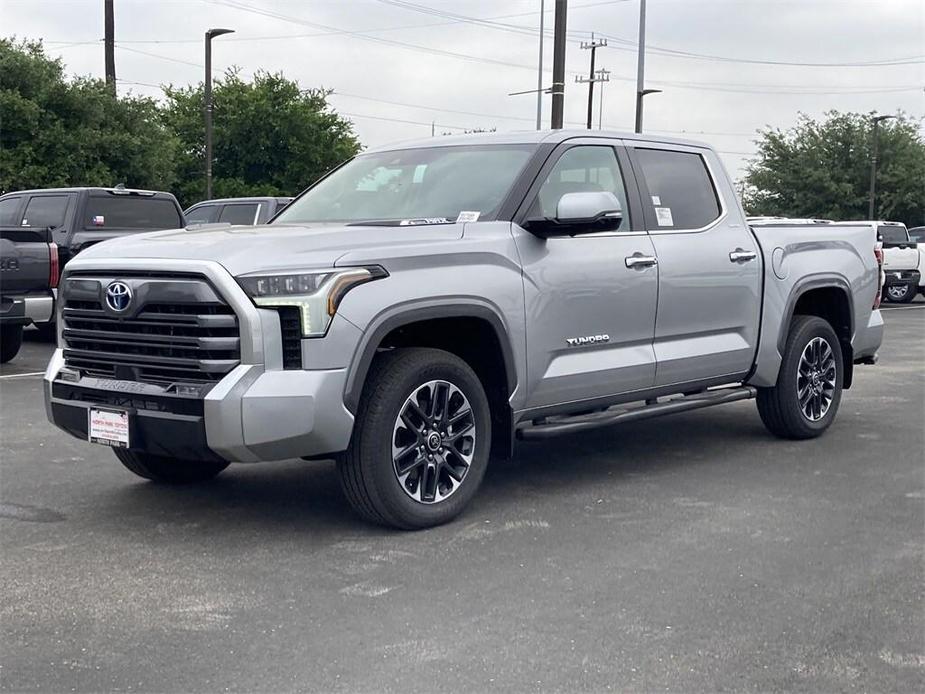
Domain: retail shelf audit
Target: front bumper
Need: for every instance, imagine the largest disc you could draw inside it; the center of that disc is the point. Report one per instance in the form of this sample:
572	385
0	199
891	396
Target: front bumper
249	416
257	411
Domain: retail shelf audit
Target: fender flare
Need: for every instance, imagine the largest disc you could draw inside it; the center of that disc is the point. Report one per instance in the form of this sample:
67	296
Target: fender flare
413	312
809	283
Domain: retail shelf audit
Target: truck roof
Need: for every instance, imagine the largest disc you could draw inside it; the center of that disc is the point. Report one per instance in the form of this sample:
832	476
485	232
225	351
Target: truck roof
250	198
531	137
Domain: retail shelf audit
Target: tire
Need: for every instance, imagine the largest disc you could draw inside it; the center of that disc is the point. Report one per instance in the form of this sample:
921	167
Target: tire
168	470
10	342
414	491
899	293
780	407
48	332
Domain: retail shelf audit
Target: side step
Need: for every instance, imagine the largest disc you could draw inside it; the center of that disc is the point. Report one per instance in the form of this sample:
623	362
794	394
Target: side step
547	428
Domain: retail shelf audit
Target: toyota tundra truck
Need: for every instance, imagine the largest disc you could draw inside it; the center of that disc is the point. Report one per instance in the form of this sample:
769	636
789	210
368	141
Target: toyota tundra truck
424	306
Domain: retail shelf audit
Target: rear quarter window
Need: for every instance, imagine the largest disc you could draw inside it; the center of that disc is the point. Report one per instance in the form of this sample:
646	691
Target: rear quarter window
131	212
680	189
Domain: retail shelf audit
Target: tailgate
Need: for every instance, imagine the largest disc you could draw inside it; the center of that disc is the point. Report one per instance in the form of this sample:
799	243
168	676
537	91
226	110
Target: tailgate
24	260
896	258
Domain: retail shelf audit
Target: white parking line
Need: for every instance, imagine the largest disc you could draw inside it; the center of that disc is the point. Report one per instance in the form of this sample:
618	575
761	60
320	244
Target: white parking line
34	373
901	308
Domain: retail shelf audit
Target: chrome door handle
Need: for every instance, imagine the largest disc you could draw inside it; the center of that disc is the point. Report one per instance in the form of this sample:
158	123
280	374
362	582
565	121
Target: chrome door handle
741	256
640	261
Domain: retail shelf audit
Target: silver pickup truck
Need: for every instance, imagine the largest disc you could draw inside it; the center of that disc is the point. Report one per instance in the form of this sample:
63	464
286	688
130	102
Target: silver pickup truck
423	306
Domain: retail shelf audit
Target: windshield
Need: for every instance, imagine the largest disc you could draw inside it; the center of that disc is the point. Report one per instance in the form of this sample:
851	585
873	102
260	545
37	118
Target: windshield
426	185
917	234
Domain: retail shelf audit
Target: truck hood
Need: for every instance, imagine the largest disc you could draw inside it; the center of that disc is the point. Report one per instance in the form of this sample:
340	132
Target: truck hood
244	249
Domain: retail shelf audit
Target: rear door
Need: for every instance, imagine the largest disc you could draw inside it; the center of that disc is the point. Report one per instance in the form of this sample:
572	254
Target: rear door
709	265
589	316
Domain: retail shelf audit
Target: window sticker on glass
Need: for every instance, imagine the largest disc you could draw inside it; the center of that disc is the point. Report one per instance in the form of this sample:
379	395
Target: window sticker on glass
468	216
663	215
656	200
99	220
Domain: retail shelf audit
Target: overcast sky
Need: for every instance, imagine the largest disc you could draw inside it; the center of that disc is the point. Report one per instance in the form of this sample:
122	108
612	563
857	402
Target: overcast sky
766	60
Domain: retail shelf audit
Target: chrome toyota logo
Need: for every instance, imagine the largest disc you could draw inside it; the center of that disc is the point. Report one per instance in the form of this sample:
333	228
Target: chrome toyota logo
118	296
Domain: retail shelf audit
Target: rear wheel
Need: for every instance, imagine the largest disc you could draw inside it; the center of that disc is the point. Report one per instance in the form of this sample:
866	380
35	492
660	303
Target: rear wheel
10	342
900	293
805	400
421	442
165	470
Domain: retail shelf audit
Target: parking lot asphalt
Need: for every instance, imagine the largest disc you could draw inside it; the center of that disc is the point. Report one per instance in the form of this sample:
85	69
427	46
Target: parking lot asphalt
693	552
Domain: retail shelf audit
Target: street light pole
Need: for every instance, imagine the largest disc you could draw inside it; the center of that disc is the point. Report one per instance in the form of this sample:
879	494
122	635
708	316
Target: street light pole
539	71
641	65
210	34
875	134
558	64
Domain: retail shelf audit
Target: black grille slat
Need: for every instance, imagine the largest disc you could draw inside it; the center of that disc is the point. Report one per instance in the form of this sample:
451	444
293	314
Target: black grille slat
163	343
290	323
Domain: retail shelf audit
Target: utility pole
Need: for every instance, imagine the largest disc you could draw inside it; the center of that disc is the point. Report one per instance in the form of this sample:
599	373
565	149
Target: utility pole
210	34
591	79
875	135
109	44
539	70
558	64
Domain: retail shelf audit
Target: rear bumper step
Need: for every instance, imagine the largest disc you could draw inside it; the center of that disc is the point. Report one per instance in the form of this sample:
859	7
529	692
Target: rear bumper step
620	414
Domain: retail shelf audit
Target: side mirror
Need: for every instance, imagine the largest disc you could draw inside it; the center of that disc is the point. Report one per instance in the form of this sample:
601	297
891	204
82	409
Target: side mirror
580	213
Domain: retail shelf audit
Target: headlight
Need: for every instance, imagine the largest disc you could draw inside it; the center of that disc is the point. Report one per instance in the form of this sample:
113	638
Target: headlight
316	294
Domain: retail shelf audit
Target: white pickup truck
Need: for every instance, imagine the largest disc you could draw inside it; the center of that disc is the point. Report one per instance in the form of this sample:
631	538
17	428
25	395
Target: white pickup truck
900	262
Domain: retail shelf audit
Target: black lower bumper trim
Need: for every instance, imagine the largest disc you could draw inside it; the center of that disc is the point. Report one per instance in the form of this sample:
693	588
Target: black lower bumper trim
182	437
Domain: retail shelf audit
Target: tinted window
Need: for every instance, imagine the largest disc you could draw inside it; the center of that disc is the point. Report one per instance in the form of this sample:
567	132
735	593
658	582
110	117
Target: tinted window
238	214
131	212
9	207
45	211
580	170
200	215
916	234
892	234
681	192
427	182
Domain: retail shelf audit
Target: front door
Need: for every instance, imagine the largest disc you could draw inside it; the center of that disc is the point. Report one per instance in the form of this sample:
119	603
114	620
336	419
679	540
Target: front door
590	314
709	297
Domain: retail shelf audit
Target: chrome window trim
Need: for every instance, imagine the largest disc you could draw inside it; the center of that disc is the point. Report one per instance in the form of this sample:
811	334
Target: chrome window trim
711	173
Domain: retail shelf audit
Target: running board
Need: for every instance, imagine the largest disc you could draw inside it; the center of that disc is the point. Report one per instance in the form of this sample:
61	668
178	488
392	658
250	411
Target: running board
547	428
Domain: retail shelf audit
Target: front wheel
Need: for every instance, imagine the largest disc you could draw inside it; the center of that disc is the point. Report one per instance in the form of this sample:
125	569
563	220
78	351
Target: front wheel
805	400
158	468
421	442
900	293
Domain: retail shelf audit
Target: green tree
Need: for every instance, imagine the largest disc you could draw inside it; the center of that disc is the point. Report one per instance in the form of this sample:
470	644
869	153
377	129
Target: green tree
822	169
269	136
60	132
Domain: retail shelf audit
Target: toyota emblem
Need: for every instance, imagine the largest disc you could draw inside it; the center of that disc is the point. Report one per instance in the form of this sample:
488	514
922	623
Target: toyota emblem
118	296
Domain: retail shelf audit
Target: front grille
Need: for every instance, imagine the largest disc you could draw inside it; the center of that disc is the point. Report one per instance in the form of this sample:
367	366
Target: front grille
163	342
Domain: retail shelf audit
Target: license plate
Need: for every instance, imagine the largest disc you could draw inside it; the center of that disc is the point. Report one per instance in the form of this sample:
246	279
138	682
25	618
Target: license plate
108	427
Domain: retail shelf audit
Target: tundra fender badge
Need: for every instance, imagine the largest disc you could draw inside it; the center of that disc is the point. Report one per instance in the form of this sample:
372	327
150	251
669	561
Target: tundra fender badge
587	340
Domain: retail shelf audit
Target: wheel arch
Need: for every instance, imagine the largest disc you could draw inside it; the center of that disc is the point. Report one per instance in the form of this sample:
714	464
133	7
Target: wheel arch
829	298
406	326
